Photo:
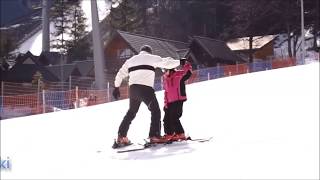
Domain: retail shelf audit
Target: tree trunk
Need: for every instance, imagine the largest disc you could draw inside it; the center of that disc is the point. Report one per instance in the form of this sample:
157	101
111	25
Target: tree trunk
316	26
295	42
250	49
289	41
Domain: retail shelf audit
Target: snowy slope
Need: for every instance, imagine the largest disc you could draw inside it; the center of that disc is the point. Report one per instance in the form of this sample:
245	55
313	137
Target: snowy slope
264	124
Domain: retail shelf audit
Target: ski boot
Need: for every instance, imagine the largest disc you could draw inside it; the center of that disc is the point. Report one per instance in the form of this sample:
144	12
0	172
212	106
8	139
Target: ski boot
121	142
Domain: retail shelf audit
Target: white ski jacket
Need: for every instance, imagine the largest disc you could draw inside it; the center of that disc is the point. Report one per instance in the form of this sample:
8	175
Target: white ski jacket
141	68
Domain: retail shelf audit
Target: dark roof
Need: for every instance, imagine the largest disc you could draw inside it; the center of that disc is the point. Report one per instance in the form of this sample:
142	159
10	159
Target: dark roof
25	73
50	58
84	67
62	72
20	59
23	57
161	47
217	49
21	72
12	10
183	52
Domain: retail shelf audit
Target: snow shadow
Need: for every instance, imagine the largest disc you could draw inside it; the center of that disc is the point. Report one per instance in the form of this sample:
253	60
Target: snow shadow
160	151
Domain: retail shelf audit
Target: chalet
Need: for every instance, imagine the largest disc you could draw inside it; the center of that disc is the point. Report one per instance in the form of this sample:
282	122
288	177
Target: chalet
86	68
263	47
63	72
207	52
51	58
123	45
27	65
200	51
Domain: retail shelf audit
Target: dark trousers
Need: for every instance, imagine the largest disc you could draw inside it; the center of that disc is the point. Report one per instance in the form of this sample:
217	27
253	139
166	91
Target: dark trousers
138	94
171	120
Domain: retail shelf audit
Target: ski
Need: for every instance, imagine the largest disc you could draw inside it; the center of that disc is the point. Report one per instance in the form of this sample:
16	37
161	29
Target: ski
200	139
143	146
116	145
149	145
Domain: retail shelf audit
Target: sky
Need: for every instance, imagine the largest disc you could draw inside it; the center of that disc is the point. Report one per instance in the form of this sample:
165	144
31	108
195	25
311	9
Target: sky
265	125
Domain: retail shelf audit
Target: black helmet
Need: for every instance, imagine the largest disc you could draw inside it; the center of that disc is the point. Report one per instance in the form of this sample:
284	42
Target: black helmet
146	48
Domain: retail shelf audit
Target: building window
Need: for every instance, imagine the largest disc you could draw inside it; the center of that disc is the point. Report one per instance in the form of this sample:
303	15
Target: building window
125	53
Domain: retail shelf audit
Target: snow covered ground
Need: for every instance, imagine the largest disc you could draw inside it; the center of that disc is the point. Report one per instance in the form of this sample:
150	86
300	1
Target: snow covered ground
265	125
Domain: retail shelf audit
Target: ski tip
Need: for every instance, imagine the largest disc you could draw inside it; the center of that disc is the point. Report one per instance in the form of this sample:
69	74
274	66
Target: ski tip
115	145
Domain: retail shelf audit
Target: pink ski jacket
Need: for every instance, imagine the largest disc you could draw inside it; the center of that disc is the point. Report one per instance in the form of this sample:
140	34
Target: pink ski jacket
174	84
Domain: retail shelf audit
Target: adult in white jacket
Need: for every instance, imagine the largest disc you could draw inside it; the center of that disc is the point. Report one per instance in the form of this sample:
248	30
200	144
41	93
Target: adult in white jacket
141	71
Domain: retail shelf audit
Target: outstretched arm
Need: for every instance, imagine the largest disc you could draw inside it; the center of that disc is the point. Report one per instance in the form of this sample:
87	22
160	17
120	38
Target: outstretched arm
187	69
167	63
122	73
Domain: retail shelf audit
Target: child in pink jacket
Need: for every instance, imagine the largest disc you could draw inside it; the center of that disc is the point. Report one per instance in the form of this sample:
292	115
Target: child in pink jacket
174	96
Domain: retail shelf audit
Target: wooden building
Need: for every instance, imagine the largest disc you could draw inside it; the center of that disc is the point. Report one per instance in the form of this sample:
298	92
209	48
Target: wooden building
263	47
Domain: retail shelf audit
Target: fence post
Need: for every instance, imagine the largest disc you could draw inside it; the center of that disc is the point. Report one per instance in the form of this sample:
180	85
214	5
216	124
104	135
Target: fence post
237	67
2	96
270	61
43	101
38	98
208	75
108	91
2	88
69	82
70	90
77	98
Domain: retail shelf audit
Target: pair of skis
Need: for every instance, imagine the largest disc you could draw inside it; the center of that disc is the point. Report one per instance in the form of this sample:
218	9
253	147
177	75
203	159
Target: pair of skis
149	145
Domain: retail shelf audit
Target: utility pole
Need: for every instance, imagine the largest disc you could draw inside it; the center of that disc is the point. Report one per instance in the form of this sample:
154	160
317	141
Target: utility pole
45	27
302	33
97	48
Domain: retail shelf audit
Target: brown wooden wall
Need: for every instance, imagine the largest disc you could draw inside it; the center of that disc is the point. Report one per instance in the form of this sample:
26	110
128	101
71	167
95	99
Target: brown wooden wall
111	52
265	52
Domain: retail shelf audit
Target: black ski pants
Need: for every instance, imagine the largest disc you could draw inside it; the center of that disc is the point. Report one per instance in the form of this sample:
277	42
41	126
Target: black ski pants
137	94
171	120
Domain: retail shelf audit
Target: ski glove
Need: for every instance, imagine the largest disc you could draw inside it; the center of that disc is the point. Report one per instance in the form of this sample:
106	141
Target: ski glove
165	108
116	93
183	61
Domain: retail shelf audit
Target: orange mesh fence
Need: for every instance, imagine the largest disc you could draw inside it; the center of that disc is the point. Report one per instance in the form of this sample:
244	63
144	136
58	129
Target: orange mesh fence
280	63
194	78
124	92
48	101
242	68
21	105
56	100
230	70
93	97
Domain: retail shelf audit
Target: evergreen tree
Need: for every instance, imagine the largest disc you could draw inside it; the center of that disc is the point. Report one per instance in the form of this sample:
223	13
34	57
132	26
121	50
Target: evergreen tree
127	16
249	19
7	45
288	20
172	19
77	48
312	17
227	19
62	23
